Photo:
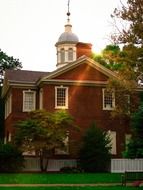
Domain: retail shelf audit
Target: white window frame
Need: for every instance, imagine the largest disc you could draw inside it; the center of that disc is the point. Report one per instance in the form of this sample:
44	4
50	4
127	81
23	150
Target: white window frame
127	140
62	52
108	106
8	106
127	96
113	138
41	99
70	54
65	151
34	101
66	97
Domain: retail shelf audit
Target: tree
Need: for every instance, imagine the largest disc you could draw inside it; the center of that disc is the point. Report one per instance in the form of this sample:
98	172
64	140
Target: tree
135	146
11	159
110	57
94	155
131	36
7	62
43	133
123	85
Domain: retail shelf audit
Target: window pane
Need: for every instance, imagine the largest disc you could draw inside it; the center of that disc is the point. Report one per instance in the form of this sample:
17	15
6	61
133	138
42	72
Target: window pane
61	97
108	100
29	103
62	55
70	54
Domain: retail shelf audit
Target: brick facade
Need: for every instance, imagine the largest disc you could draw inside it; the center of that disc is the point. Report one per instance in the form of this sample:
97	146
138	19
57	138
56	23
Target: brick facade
85	82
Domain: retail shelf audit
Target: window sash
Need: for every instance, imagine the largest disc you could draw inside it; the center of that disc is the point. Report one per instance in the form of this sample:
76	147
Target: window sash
108	100
8	106
41	99
112	136
61	97
70	54
28	100
62	55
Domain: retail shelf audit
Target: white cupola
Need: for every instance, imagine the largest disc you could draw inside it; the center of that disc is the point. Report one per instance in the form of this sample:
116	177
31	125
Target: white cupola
66	45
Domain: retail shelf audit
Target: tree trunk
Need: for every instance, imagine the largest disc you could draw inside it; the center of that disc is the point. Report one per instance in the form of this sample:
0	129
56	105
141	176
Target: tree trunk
43	162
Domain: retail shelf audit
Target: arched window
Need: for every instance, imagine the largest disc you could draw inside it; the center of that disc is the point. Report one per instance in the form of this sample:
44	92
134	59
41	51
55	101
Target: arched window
70	54
62	55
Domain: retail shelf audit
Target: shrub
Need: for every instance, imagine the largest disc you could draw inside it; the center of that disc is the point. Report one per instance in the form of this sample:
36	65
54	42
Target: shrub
11	159
95	153
69	169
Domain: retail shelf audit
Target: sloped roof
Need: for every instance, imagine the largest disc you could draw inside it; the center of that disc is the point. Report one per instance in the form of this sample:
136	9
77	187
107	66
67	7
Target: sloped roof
81	60
24	75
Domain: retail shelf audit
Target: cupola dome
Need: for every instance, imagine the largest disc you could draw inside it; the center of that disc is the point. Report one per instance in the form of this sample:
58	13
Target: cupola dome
66	45
68	35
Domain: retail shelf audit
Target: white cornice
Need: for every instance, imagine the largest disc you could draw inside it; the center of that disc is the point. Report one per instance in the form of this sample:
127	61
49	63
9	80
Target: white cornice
75	82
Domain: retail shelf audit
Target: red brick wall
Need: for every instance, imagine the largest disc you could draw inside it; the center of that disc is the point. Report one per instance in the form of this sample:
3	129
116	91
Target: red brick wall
83	72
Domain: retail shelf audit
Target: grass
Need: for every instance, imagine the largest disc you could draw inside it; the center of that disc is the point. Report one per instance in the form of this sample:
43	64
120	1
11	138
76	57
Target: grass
69	188
37	178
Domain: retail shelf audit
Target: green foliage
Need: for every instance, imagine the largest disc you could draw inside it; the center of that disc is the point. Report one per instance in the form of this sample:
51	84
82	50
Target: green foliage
131	35
7	62
11	159
43	132
68	169
135	146
95	154
110	57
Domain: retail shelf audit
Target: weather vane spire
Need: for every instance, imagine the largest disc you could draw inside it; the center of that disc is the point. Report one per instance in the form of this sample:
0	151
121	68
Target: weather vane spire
68	13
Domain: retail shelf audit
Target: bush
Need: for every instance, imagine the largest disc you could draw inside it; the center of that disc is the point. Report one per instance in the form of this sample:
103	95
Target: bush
68	169
95	153
11	159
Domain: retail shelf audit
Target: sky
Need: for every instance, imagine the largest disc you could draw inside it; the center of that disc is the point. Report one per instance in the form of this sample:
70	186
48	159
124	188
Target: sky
29	29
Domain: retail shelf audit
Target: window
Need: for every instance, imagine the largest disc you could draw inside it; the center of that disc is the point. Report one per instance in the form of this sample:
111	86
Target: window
108	100
112	135
8	106
70	54
127	104
61	97
127	140
41	99
62	55
29	100
66	148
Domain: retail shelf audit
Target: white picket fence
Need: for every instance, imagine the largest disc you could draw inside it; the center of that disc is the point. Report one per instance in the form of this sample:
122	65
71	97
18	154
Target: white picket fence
117	165
122	165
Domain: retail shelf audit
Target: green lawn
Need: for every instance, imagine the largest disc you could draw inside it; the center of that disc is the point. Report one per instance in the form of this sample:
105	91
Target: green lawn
47	178
70	188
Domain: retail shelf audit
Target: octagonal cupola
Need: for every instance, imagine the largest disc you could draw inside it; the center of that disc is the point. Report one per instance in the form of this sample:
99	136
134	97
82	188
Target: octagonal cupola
66	45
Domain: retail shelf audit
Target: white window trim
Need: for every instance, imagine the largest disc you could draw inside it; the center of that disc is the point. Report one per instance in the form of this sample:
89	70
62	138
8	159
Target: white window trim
8	106
113	137
113	100
128	102
41	99
66	98
34	102
70	54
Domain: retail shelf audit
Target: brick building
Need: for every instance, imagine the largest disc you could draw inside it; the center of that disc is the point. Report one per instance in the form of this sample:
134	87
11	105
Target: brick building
77	85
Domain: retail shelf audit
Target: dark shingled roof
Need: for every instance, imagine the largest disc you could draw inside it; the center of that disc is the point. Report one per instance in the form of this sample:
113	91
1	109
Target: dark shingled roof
24	75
